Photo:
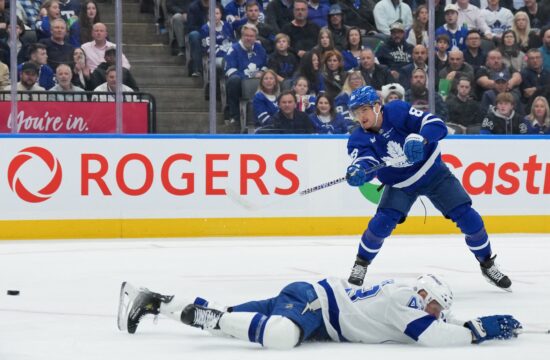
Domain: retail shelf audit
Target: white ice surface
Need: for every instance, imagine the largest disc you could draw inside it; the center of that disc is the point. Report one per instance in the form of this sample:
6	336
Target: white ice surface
69	293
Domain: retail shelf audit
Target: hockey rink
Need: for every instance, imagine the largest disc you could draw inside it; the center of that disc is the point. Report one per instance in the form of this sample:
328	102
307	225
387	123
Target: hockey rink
69	293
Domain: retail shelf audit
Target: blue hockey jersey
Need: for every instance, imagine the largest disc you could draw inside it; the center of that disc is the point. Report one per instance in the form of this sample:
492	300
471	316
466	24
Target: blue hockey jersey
224	38
399	120
245	63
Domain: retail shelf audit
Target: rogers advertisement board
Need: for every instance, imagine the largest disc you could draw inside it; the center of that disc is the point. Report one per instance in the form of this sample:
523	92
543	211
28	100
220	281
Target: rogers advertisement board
74	117
88	178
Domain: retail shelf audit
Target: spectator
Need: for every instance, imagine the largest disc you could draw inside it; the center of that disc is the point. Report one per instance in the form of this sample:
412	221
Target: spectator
99	75
495	65
310	68
39	57
288	120
511	53
235	10
69	10
224	36
49	11
538	121
325	42
59	51
417	95
501	118
389	12
498	18
390	92
283	62
352	54
82	76
337	27
545	48
455	32
4	17
31	12
246	59
279	13
27	82
265	99
317	13
464	112
439	6
419	56
326	120
395	53
4	75
302	32
375	75
197	17
441	57
110	86
63	75
21	43
536	79
521	26
474	54
354	81
304	99
471	16
80	31
456	69
177	13
418	34
265	32
95	49
489	97
334	75
539	15
359	13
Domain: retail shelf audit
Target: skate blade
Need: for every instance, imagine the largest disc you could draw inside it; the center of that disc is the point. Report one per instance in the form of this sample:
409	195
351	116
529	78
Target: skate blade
509	289
127	295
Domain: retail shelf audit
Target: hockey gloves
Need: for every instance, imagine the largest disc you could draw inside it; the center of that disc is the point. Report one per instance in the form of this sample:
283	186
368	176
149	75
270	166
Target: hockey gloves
356	175
501	327
414	147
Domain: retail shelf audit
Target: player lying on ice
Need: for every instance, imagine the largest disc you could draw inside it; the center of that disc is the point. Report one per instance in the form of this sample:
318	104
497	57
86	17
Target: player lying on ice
399	131
328	310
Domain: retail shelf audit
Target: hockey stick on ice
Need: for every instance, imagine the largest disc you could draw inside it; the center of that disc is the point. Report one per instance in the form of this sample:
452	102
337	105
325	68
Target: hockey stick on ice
248	205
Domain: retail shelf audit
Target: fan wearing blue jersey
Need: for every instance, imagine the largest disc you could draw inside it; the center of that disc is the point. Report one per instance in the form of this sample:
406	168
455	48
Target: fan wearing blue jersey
398	131
386	312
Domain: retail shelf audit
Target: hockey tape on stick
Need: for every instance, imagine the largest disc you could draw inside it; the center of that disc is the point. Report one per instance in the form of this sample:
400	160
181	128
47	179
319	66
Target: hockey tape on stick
531	331
250	206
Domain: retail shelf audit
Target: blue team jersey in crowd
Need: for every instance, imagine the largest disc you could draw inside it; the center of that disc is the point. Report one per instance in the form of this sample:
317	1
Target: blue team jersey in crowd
245	63
224	38
400	119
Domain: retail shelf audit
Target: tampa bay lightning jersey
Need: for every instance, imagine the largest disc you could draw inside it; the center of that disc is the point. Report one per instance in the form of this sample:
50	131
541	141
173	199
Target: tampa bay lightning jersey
400	119
381	313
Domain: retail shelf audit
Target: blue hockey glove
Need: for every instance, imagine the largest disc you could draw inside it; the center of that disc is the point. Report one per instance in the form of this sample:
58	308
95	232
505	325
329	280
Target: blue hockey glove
414	147
356	175
501	327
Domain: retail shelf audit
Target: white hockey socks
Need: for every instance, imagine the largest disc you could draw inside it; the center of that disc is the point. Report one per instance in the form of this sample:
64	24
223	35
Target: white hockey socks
276	332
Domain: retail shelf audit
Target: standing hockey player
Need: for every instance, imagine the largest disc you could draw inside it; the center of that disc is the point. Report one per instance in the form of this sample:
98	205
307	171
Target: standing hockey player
328	310
396	130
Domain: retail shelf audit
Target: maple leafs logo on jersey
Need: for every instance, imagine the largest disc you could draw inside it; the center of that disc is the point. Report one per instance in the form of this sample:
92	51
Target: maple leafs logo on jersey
395	151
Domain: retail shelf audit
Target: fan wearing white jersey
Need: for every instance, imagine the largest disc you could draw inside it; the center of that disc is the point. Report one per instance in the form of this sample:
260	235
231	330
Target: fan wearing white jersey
328	310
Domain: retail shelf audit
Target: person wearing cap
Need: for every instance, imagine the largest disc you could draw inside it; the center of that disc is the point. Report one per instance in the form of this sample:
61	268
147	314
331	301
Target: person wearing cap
488	99
485	75
471	16
395	53
456	33
98	76
336	26
388	12
359	13
28	82
391	92
502	119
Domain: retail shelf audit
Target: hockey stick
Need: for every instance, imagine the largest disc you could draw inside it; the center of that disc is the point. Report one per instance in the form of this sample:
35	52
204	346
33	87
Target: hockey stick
248	205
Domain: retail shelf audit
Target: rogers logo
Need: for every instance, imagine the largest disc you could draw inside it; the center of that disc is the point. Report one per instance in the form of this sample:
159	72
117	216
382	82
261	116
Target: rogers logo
34	152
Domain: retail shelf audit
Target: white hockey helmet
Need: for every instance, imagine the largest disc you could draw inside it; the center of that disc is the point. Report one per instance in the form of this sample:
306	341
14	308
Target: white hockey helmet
436	289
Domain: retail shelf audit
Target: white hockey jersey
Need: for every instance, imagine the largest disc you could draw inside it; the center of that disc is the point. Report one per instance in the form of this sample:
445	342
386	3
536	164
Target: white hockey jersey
385	312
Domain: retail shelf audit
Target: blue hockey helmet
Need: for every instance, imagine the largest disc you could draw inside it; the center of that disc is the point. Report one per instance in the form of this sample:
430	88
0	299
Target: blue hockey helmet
365	95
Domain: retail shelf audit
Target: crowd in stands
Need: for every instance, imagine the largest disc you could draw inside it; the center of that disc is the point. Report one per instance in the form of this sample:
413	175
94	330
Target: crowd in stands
62	46
492	57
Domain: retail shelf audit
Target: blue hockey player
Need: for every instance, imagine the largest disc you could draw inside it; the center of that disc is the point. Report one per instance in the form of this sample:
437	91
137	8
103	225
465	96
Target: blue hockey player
397	130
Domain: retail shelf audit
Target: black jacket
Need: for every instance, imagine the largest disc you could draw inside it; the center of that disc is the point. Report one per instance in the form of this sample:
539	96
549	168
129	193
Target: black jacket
495	123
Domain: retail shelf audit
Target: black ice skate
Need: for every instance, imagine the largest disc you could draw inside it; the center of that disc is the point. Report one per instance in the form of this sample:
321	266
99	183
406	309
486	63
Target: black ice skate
201	317
136	303
493	275
358	272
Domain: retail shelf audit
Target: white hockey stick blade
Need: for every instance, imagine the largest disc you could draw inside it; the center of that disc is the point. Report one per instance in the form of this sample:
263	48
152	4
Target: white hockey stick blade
531	331
127	295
